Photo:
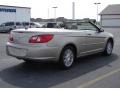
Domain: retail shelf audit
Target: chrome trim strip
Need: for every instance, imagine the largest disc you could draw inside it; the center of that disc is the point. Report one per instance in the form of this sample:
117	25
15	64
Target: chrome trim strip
92	44
92	51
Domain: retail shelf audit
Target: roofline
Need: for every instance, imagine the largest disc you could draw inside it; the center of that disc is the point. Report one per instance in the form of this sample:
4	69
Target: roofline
15	6
109	14
101	13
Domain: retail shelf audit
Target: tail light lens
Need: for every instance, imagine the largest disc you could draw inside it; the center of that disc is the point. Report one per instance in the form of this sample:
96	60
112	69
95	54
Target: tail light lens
11	38
41	38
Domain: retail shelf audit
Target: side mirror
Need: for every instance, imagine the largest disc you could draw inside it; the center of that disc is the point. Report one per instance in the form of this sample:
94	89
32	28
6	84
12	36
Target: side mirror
101	30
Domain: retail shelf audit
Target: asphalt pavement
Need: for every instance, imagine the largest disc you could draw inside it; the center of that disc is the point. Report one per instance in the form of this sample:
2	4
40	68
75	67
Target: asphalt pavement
95	71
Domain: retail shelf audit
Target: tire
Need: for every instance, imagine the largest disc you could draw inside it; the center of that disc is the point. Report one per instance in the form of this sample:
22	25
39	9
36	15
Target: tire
109	48
67	57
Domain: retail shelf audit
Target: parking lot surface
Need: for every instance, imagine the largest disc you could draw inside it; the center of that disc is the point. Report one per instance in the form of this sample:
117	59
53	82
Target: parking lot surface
95	71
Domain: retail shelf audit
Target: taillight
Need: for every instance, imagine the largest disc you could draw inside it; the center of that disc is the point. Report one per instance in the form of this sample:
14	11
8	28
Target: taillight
41	38
10	38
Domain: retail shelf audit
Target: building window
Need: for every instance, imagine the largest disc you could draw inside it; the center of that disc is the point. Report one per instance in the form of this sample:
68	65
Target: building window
7	10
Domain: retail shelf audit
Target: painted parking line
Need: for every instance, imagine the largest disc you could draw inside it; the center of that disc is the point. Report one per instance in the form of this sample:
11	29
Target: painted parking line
99	78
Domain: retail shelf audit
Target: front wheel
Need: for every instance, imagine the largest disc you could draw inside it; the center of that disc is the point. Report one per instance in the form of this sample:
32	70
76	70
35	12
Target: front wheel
108	48
67	57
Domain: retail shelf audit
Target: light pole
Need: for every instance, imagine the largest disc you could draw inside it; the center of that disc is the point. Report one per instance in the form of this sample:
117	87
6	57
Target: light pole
97	9
55	12
73	10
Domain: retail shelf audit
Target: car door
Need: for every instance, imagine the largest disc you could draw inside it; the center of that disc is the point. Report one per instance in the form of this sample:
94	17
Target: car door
2	27
78	36
94	40
9	26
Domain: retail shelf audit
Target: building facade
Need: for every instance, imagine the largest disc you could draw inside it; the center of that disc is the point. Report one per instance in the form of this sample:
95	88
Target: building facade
14	14
110	16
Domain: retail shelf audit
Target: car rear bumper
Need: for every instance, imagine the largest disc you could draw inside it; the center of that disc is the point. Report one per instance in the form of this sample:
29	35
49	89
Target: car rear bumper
32	53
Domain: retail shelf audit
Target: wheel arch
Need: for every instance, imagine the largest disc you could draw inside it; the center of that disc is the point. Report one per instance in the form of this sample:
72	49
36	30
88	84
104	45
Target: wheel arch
72	45
111	39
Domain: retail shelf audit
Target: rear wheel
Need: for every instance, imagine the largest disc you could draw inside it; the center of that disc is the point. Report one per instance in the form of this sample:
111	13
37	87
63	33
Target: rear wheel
108	48
67	57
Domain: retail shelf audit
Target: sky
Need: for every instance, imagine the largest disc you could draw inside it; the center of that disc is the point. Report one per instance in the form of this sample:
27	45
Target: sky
40	8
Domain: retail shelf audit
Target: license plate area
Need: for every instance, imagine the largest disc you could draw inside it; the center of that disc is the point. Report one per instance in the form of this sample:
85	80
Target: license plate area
17	51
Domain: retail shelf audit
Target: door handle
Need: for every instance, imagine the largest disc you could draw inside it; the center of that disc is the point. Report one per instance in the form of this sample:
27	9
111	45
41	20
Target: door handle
89	34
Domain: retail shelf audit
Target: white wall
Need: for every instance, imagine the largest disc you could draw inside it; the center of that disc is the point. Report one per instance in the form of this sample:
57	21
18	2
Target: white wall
111	23
110	20
21	14
110	16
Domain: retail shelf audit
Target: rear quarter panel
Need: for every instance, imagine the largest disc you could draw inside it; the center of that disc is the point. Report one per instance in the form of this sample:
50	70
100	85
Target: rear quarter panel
75	38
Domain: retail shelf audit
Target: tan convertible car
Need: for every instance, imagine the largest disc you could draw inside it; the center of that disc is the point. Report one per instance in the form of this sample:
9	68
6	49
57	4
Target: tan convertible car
62	45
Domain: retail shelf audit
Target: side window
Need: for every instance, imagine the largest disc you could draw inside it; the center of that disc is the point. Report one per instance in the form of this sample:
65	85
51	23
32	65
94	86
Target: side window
18	24
9	24
25	23
85	26
71	25
32	24
6	24
74	26
51	25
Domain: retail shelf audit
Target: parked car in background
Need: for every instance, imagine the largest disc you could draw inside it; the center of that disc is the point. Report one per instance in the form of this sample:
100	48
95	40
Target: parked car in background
35	25
31	25
26	24
59	45
8	26
18	25
52	25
